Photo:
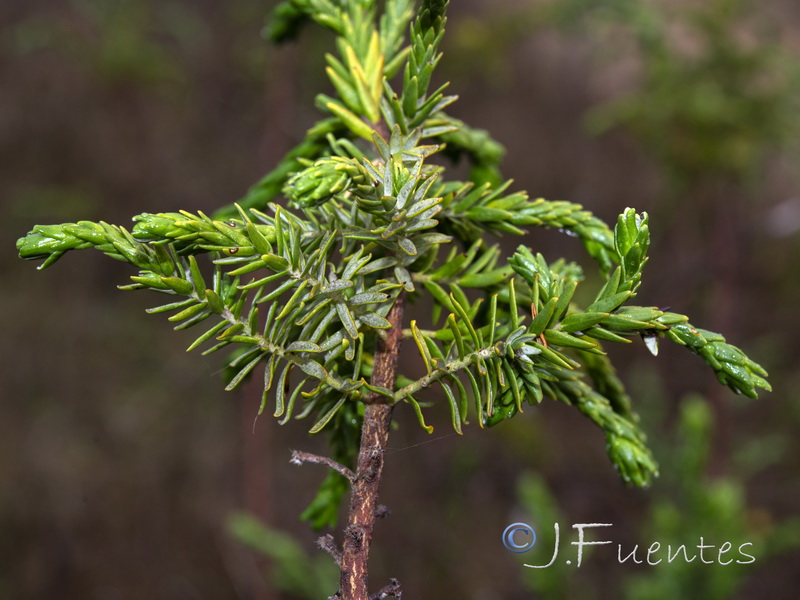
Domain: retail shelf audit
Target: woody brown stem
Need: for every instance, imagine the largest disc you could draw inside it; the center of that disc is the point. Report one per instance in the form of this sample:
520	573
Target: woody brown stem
298	458
374	439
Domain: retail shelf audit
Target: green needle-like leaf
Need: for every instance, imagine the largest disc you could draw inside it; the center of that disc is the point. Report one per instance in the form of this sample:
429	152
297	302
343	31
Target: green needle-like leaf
312	275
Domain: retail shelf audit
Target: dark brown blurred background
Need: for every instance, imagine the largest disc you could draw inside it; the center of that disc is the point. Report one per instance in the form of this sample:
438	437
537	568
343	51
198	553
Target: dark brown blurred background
120	455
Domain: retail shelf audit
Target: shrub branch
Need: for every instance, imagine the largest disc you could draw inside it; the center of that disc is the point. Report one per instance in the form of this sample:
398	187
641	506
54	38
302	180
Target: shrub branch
374	440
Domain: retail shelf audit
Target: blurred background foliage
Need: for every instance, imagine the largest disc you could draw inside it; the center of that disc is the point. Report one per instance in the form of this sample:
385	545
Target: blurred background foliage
120	457
682	503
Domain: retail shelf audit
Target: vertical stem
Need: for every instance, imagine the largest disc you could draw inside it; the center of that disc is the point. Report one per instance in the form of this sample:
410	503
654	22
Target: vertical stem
374	439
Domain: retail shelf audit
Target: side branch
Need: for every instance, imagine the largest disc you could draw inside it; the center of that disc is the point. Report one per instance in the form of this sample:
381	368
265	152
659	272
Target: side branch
392	590
298	458
327	543
439	372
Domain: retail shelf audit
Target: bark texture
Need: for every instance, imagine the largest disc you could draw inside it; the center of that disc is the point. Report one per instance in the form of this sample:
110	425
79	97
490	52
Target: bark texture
374	439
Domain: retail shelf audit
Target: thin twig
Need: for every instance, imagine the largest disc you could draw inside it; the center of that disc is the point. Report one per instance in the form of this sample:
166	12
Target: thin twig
327	543
298	458
393	589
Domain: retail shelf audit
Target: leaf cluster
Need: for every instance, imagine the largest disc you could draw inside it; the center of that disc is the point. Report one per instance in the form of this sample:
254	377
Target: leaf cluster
302	289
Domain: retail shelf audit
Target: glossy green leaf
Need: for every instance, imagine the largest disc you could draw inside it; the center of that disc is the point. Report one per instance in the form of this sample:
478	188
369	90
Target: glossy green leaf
299	346
244	371
455	411
374	320
326	418
560	338
312	368
418	412
581	321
